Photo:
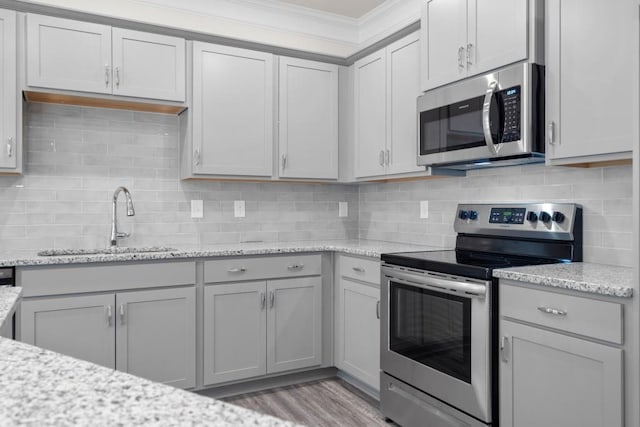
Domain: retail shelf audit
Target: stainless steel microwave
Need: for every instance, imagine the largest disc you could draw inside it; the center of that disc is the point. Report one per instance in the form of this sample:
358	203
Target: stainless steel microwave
495	119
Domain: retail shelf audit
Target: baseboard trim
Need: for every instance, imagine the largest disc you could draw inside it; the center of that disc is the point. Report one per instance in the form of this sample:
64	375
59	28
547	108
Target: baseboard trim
365	388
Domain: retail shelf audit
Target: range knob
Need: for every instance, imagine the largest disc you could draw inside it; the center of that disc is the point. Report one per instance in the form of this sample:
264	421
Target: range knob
473	215
545	217
532	216
463	214
558	217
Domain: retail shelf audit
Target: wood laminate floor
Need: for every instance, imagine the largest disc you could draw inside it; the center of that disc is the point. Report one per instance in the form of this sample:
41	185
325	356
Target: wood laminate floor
330	402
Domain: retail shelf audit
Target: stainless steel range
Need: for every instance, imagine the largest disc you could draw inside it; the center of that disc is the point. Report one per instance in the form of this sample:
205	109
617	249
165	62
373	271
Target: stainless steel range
439	317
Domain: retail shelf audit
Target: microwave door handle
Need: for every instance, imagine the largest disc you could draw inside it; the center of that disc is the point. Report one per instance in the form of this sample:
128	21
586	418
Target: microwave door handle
486	118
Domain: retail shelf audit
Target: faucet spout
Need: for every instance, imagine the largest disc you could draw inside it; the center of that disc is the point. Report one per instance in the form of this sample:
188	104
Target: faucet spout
115	234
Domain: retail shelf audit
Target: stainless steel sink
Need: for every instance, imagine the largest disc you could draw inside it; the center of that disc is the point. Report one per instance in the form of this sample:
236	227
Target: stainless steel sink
104	251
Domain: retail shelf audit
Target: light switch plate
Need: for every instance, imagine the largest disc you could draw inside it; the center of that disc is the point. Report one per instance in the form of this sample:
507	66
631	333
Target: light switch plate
424	209
343	209
197	209
238	209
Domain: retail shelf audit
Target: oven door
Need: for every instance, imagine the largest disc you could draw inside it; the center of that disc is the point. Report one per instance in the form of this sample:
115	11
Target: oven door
435	336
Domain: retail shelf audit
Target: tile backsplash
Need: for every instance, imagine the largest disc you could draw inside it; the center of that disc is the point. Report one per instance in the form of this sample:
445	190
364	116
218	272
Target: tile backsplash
391	211
76	157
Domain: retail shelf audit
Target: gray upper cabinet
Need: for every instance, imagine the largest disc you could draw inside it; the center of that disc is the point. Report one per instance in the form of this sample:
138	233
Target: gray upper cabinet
294	322
308	119
79	56
80	326
232	111
235	332
156	336
10	143
386	85
589	73
462	38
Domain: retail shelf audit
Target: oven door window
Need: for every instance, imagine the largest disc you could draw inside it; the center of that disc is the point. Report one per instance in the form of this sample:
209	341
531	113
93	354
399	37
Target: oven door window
431	328
457	126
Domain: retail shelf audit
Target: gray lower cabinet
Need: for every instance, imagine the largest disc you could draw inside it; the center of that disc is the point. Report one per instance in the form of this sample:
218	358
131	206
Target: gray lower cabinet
358	331
78	326
146	333
261	327
550	379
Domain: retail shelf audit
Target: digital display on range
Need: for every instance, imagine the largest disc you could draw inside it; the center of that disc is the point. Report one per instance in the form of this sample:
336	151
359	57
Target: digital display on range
507	215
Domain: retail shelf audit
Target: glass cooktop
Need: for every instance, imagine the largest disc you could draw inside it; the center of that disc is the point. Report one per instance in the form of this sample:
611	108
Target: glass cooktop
461	263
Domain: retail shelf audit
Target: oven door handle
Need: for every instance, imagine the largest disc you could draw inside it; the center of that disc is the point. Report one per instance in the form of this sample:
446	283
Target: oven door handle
486	119
452	287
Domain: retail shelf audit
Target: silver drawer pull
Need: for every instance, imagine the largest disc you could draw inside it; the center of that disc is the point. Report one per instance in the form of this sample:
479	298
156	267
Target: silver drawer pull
504	342
378	309
237	270
109	315
295	267
550	310
358	269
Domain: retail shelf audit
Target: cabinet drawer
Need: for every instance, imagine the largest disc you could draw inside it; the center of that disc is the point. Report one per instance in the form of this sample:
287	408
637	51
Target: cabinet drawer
230	270
367	270
584	316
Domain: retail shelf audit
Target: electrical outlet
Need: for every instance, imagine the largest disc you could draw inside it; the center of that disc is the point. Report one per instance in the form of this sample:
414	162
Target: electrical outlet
197	209
238	209
343	209
424	209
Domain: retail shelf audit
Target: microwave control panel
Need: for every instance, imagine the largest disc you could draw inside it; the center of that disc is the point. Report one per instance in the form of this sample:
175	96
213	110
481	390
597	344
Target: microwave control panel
511	108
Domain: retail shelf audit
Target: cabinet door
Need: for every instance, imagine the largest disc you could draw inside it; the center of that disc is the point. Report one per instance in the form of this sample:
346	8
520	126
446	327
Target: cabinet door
294	324
148	65
444	41
358	331
308	106
66	54
235	331
8	90
370	115
155	337
403	87
232	111
497	34
552	379
589	55
79	326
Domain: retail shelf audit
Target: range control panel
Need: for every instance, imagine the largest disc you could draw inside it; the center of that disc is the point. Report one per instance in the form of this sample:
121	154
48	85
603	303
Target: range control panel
554	220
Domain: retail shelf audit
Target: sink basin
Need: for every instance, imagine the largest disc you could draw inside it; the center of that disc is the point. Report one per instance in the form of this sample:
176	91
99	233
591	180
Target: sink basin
104	251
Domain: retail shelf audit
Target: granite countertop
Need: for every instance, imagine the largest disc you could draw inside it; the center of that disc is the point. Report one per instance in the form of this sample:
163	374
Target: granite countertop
9	298
578	276
42	388
354	247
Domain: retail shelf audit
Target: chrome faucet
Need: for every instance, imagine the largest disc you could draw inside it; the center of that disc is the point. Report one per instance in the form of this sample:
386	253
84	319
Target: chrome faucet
115	234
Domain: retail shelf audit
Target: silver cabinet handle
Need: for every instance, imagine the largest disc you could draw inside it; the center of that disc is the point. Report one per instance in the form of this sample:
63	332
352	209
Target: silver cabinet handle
381	157
106	75
387	157
117	77
10	147
109	315
295	267
358	269
460	57
550	310
378	309
237	270
284	161
552	140
263	300
272	299
504	342
122	314
486	118
469	47
197	156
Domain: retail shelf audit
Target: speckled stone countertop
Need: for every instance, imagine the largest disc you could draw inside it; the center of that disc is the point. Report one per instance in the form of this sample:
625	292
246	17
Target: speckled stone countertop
354	247
9	298
42	388
579	276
